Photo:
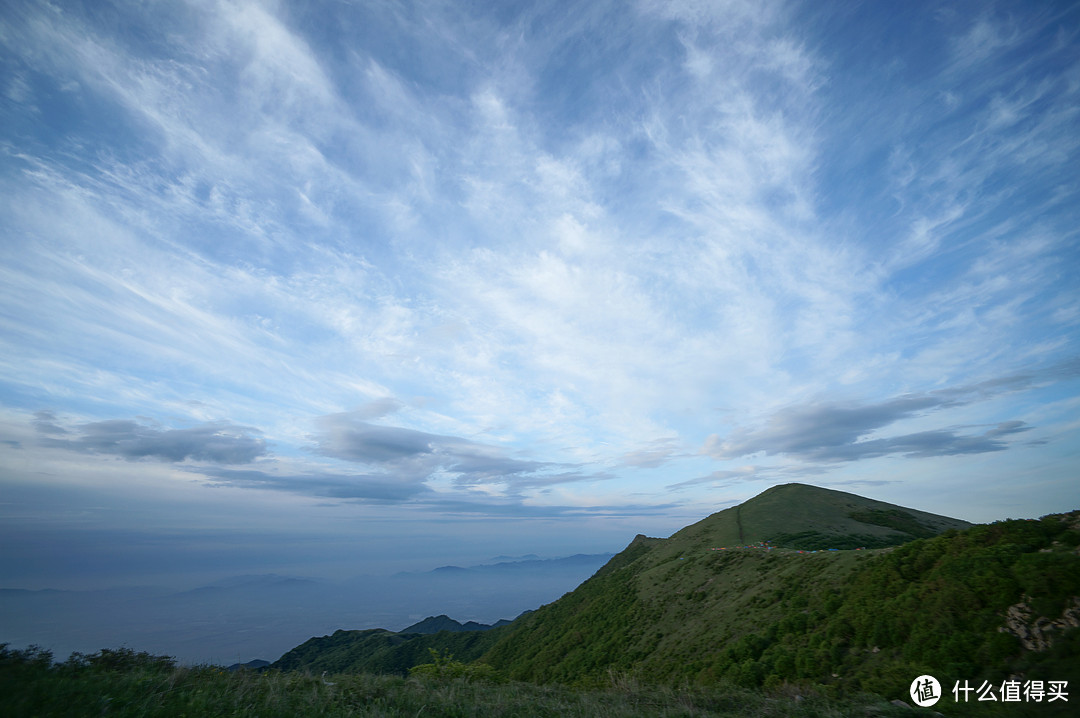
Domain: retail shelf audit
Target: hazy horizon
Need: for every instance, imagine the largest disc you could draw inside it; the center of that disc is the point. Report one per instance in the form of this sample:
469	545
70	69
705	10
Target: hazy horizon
238	619
347	288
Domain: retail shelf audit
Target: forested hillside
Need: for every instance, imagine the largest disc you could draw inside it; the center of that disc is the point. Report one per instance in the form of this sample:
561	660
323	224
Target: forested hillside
845	620
981	603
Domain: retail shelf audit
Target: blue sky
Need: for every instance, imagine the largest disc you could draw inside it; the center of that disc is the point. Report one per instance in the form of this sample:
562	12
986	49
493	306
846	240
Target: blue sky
345	286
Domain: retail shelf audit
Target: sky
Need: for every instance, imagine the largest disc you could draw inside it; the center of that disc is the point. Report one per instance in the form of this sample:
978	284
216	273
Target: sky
341	287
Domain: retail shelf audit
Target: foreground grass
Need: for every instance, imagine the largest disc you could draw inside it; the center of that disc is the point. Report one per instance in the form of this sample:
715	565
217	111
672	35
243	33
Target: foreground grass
122	683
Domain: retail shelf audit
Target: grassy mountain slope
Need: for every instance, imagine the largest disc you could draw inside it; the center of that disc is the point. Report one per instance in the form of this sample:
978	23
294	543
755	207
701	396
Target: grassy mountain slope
674	610
808	517
665	607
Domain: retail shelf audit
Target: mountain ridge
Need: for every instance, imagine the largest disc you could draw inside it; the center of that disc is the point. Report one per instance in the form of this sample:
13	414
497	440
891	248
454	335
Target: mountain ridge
442	622
685	609
682	609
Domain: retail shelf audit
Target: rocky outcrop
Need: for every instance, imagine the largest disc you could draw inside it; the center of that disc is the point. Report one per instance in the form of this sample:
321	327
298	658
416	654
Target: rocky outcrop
1037	633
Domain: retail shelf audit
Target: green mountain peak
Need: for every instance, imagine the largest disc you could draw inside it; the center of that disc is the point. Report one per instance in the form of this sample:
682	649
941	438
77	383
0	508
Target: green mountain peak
806	517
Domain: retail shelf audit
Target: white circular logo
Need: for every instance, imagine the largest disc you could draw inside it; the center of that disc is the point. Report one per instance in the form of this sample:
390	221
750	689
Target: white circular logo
925	691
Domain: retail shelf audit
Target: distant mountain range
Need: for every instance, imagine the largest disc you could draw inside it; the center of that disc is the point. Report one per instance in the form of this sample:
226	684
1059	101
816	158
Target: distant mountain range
523	564
255	665
435	624
797	585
